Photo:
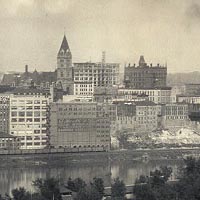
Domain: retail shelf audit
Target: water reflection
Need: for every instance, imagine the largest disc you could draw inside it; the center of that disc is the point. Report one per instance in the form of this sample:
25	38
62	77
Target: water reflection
11	178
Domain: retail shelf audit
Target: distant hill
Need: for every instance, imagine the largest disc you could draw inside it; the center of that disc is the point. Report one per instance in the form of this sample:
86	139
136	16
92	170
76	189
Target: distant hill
182	78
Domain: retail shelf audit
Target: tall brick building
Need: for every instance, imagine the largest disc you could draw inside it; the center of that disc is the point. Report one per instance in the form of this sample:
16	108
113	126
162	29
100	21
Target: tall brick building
145	76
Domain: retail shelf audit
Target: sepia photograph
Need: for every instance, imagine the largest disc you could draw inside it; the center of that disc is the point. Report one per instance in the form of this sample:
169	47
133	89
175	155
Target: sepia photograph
99	100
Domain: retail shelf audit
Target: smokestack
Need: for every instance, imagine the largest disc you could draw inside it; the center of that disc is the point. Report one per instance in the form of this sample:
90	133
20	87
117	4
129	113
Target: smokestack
26	68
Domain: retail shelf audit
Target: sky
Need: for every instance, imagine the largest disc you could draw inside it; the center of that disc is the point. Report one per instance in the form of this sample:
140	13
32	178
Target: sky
164	31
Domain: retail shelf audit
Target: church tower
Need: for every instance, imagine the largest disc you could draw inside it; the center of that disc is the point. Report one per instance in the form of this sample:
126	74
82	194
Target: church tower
64	67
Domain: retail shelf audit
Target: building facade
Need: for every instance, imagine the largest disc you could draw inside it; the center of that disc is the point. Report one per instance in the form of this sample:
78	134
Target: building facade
156	95
145	76
9	142
174	115
4	112
79	125
29	117
64	67
89	75
138	116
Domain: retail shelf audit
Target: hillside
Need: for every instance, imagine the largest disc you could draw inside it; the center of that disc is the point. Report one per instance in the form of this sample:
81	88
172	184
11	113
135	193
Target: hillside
182	78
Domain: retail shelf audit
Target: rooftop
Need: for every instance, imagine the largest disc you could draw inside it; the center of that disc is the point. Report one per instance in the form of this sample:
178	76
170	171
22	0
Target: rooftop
27	91
6	135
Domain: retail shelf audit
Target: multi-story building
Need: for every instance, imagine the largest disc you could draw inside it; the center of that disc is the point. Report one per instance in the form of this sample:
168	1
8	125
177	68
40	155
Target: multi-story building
26	78
156	95
190	99
138	116
89	75
64	67
9	142
145	76
193	102
4	112
105	94
29	117
174	115
79	125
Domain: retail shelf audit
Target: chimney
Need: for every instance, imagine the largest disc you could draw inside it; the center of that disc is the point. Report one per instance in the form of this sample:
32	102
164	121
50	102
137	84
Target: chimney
26	68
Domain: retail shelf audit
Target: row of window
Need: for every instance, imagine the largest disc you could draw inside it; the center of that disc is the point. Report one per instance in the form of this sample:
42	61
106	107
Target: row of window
28	120
28	114
30	101
28	107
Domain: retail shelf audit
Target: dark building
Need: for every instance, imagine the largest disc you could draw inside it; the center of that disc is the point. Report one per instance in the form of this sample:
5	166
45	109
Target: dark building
25	79
145	76
104	94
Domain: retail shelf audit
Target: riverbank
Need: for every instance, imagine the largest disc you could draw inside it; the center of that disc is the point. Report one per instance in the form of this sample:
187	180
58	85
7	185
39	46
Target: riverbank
63	158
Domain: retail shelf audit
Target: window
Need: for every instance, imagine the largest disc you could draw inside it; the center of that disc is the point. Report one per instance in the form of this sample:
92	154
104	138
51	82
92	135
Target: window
36	131
37	102
29	119
37	114
21	114
44	101
14	114
29	102
29	114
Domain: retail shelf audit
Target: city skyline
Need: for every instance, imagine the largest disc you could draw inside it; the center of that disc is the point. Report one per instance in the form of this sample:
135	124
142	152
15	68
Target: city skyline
32	32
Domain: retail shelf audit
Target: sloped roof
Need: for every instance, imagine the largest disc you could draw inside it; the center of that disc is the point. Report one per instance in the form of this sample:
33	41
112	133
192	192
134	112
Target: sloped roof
64	46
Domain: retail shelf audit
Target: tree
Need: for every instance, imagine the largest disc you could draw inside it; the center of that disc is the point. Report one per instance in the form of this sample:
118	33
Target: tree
70	184
160	177
189	180
98	184
76	185
155	186
88	193
118	190
48	188
21	194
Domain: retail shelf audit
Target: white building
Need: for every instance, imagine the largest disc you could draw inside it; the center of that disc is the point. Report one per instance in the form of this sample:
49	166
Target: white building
157	95
190	99
29	117
89	75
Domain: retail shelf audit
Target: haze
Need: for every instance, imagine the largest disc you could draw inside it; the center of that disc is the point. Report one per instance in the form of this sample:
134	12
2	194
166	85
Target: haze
161	30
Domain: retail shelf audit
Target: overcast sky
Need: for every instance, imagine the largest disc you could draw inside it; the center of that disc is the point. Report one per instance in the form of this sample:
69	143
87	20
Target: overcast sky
161	30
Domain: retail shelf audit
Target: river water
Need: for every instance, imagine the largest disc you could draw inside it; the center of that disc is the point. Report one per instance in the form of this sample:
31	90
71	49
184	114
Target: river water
128	170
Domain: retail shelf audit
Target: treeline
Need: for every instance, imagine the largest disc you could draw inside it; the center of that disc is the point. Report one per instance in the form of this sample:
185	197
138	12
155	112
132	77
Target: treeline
49	189
156	186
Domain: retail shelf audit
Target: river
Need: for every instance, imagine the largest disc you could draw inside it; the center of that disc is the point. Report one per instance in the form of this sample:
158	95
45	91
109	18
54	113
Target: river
22	175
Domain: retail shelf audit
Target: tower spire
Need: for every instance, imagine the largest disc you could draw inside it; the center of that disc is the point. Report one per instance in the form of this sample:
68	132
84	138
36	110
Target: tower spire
64	45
